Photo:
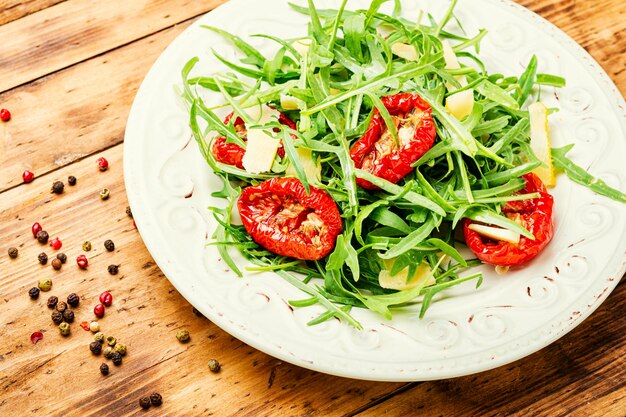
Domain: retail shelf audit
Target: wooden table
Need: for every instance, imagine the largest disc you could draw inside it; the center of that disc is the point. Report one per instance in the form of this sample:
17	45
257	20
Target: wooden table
68	72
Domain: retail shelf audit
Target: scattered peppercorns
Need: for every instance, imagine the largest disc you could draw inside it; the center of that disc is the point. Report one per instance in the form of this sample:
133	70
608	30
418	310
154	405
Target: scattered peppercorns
94	326
13	252
73	299
57	317
45	284
98	310
144	402
64	328
99	337
5	115
214	365
111	341
56	264
156	399
71	180
105	193
113	269
42	237
56	243
95	348
36	228
108	352
103	164
82	262
42	258
104	369
106	298
109	245
129	212
61	306
62	257
52	301
57	187
116	358
68	316
33	293
182	336
87	246
120	348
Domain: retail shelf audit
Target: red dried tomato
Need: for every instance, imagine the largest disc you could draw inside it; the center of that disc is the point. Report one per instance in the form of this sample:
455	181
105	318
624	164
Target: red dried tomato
231	153
377	151
281	217
536	217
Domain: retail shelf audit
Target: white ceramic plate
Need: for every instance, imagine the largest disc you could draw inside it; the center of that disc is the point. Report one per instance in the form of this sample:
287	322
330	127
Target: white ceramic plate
468	331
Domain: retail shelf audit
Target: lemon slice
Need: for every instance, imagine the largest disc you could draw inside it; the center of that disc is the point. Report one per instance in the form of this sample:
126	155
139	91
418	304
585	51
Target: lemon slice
540	142
400	281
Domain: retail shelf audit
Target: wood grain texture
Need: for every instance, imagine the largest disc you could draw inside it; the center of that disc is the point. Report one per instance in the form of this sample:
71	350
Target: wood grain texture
11	10
75	30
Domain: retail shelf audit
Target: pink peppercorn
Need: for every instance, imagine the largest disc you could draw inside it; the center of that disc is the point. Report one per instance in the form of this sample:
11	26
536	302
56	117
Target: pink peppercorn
103	164
82	261
5	115
98	310
56	243
28	176
36	228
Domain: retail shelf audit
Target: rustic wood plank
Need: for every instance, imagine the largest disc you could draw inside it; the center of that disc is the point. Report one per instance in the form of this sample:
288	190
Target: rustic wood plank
146	313
11	10
76	30
582	374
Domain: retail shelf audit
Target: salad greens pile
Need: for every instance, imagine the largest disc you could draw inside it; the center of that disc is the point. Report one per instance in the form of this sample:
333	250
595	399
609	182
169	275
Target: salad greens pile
347	66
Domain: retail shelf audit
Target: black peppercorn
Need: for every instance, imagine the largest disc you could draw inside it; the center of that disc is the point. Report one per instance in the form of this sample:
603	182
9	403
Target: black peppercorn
129	213
95	348
52	302
33	293
12	253
144	402
62	257
57	317
116	358
71	180
68	316
113	269
57	187
109	245
43	258
56	264
42	237
61	306
73	299
104	369
156	399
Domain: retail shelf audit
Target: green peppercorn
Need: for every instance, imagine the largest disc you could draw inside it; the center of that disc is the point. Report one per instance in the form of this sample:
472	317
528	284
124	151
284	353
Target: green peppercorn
56	264
42	258
116	358
45	284
113	269
73	299
129	212
52	302
99	337
104	194
144	402
182	336
64	328
68	316
57	317
13	252
57	187
71	180
214	365
42	237
95	348
33	293
109	245
61	306
120	348
62	257
108	352
111	341
87	246
104	369
156	399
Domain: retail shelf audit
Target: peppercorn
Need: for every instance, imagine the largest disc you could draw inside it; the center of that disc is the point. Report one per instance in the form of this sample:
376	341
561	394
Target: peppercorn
52	302
111	341
42	237
28	176
95	348
104	194
99	337
94	327
33	293
156	399
106	298
113	269
144	402
116	358
57	317
71	180
62	257
103	164
108	352
61	306
56	243
109	245
56	264
214	365
87	246
13	252
68	316
104	369
57	187
121	348
36	228
45	284
43	258
129	212
82	261
182	336
73	299
5	115
64	328
98	310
